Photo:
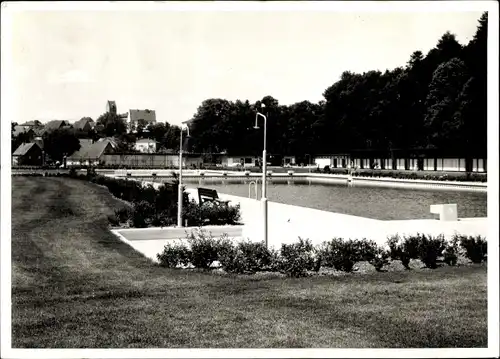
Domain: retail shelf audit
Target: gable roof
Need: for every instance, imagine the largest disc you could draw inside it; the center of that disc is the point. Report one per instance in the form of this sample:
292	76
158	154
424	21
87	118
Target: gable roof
54	125
94	150
111	140
147	115
80	124
29	123
21	129
24	148
39	131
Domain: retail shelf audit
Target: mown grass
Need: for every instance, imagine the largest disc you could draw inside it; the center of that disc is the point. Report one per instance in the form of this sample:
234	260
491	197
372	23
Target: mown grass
75	285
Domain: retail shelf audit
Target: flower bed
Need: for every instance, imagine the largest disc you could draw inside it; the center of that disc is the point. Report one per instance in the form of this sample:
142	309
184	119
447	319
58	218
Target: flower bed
302	258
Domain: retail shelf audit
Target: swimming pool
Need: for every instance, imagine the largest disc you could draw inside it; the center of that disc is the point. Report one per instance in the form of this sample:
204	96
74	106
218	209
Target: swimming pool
365	201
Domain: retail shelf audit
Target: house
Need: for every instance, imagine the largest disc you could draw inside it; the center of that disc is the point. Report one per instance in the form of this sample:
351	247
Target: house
55	125
90	153
32	124
111	140
84	124
28	131
239	161
333	161
134	116
146	145
28	154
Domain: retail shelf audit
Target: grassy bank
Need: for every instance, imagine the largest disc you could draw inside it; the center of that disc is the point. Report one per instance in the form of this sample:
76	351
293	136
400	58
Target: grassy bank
76	285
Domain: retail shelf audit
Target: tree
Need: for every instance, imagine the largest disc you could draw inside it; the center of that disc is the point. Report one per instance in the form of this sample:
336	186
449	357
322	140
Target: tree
111	124
60	143
171	138
442	122
126	143
157	131
141	127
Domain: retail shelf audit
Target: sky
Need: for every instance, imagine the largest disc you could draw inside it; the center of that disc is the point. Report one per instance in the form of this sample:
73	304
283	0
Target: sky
67	64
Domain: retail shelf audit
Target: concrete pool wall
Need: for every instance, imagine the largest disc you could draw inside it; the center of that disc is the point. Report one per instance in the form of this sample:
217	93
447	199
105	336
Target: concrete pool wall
311	177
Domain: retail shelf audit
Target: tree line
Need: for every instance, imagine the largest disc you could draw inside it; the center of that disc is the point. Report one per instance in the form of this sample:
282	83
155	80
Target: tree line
436	101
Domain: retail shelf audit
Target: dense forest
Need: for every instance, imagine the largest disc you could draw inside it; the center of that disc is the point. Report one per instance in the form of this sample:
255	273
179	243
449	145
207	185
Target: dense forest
436	101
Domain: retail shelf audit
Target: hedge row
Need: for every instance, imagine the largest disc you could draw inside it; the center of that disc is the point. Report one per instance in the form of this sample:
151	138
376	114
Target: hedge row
158	207
460	177
300	258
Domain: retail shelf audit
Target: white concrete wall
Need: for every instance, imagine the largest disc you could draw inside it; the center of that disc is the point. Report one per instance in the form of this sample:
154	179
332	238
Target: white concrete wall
451	164
428	164
322	162
478	165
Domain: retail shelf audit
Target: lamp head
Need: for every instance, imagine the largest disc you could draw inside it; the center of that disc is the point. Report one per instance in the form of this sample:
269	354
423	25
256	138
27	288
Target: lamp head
256	127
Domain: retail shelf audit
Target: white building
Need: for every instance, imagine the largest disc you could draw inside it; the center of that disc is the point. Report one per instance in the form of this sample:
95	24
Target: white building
145	145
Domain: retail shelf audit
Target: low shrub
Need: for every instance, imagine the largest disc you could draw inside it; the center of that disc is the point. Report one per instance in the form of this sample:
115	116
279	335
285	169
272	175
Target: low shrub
204	248
451	251
174	255
297	258
343	254
380	259
123	215
430	248
142	214
420	246
213	213
476	248
403	249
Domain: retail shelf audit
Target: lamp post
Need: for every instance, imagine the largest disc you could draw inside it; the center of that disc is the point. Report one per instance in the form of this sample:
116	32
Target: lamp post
179	190
264	177
308	161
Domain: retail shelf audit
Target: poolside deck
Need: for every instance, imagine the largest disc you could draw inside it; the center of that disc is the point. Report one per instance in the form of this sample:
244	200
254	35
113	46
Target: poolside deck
286	223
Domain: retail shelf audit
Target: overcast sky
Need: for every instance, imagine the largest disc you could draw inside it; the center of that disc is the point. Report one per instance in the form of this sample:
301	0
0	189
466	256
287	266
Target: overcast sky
68	64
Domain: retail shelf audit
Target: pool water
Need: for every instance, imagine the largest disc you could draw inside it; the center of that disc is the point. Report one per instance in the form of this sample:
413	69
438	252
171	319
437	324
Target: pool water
365	201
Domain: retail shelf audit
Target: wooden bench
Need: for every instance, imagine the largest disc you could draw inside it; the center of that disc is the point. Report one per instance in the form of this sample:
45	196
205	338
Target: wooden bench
209	195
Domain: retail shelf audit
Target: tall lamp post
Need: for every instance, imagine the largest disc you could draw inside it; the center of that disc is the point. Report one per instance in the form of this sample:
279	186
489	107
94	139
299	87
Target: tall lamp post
308	161
179	191
264	177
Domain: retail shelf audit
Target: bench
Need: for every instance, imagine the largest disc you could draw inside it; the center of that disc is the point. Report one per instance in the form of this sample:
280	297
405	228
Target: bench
209	195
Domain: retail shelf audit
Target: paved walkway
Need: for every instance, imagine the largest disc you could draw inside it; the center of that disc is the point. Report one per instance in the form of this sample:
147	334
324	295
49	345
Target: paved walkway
286	223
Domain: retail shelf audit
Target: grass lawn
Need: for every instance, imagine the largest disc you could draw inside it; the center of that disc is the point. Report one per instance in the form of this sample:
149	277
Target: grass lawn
74	285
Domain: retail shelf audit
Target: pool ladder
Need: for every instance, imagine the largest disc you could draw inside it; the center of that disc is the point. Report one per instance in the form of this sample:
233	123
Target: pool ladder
250	187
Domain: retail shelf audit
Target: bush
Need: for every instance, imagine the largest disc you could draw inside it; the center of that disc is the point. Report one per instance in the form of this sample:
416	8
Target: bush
430	248
113	220
404	249
174	255
373	254
451	251
204	248
297	258
475	247
245	257
214	213
143	213
123	215
326	169
343	254
380	259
